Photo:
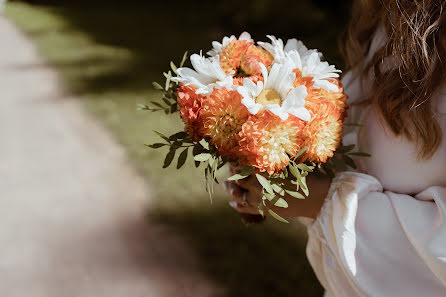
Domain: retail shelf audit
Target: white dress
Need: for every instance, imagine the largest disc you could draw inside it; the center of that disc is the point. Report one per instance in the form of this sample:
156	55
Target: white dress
382	229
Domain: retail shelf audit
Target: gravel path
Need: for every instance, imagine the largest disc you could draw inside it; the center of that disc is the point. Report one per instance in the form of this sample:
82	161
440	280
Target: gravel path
72	211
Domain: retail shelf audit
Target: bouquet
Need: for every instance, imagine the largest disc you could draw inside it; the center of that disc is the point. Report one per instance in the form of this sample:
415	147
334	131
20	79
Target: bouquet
274	109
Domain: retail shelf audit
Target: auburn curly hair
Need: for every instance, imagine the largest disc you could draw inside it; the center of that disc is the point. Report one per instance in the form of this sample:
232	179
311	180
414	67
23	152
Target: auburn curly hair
416	31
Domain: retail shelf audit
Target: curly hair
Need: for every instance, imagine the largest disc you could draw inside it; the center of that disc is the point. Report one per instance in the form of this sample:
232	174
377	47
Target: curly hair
416	31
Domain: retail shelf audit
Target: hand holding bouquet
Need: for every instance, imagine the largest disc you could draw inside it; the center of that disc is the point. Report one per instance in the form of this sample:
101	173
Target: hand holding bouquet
275	110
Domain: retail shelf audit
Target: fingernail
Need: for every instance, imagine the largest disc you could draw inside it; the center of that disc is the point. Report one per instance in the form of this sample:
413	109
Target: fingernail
233	204
225	186
231	191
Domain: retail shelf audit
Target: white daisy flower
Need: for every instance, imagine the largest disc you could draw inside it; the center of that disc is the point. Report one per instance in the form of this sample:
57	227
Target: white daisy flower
306	60
312	66
276	93
206	75
279	50
217	46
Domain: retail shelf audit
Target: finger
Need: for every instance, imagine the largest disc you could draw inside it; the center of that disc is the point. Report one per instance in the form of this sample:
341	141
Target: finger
248	183
243	209
236	192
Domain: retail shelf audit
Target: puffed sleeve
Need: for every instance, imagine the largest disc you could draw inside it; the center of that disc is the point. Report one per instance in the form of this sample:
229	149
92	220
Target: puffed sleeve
366	242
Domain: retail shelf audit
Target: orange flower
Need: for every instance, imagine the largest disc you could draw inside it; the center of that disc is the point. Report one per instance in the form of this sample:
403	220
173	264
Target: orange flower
222	117
189	104
339	99
251	59
238	81
267	142
231	55
323	133
300	80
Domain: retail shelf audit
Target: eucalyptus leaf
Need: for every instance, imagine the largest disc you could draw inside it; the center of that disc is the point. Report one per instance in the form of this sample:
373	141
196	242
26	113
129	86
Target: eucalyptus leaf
276	216
183	60
174	68
279	190
265	183
167	102
169	157
280	202
182	158
349	161
202	157
304	167
361	154
174	108
162	136
345	149
156	86
204	144
295	194
299	153
157	104
156	145
294	171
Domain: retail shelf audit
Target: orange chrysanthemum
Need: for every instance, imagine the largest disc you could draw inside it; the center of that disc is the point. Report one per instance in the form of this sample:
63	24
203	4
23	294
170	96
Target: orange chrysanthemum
189	105
306	81
238	81
251	59
339	99
231	55
323	133
222	117
267	142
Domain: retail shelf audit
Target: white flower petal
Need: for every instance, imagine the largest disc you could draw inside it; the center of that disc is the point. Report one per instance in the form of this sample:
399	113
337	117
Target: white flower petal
250	86
326	85
299	92
245	36
290	45
302	113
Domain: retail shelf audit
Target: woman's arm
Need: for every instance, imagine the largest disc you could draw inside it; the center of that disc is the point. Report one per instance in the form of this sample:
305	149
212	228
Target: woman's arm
317	185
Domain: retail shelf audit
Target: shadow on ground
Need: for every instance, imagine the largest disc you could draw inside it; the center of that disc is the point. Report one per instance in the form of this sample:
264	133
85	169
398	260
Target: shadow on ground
262	260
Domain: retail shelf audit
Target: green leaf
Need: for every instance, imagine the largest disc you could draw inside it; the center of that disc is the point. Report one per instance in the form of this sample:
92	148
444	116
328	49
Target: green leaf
299	153
295	194
349	161
202	157
204	144
167	102
345	149
198	149
173	107
182	158
265	183
280	202
244	173
156	86
277	217
174	68
303	186
294	171
279	190
361	154
184	59
261	212
339	164
162	136
156	145
304	167
157	104
168	77
178	135
169	157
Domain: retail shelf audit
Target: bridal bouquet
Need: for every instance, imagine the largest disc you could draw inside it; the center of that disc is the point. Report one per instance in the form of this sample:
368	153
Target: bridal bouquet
274	109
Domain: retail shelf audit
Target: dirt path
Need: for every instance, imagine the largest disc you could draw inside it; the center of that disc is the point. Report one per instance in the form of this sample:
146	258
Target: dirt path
71	208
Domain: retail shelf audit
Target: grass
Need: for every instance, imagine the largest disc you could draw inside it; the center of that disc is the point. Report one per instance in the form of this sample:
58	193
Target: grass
109	54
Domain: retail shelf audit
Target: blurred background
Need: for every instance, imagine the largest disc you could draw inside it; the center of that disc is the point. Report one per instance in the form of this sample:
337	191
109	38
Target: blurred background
107	53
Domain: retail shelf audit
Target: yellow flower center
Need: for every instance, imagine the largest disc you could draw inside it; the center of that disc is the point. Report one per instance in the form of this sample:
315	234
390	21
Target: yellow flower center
269	96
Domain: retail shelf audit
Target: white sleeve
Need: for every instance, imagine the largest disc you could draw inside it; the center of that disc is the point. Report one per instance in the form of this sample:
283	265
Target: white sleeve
366	242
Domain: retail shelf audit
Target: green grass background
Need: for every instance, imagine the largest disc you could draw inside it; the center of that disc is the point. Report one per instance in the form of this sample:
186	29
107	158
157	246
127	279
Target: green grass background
108	53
